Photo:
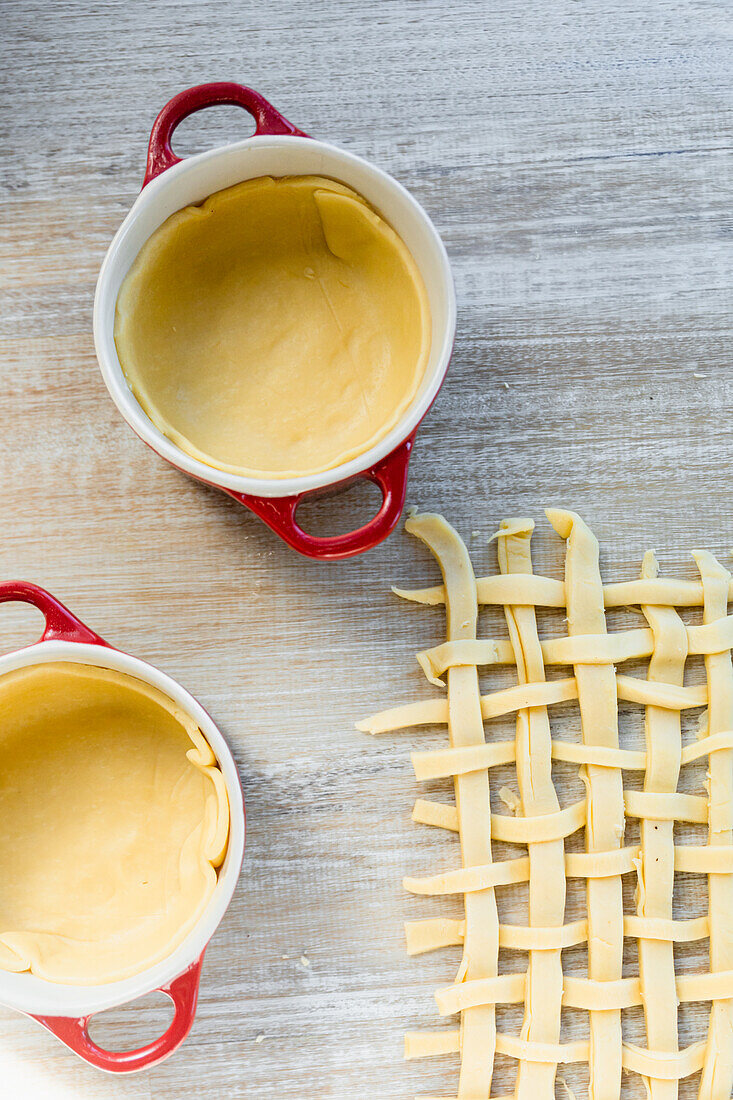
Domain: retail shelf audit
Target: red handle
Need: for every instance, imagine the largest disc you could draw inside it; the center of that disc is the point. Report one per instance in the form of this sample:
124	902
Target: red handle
390	474
183	991
61	625
267	119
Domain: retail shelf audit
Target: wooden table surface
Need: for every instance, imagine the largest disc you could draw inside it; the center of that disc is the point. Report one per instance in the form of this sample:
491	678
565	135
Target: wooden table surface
576	158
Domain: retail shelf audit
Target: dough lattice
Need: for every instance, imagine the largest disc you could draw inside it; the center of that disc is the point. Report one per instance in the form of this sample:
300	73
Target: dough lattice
542	824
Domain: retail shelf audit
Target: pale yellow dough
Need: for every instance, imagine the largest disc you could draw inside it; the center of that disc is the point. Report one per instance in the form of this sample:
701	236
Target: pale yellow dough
278	329
113	819
539	981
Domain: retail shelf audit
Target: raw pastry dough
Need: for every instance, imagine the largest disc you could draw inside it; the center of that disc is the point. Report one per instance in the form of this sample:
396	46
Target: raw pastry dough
113	818
278	329
542	825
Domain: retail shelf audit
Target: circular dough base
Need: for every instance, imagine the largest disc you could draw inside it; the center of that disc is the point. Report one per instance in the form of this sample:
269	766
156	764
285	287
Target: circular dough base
277	330
113	818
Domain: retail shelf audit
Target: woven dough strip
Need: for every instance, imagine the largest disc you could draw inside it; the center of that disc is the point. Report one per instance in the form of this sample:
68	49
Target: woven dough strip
466	728
717	1076
428	935
544	986
544	592
577	650
664	1067
597	699
663	736
630	688
439	763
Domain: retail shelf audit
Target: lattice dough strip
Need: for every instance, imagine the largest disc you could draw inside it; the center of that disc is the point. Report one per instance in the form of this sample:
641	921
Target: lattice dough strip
438	763
632	689
597	699
663	737
580	649
465	726
717	1076
544	592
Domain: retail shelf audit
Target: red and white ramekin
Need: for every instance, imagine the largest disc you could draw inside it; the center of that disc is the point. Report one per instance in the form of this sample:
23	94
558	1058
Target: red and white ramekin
278	149
66	1009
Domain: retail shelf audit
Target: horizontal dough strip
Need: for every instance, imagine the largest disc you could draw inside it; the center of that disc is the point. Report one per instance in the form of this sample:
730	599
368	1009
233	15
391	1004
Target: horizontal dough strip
513	830
534	830
429	935
633	759
426	1044
664	1065
504	989
704	859
556	1053
546	592
699	859
501	589
582	993
667	1066
576	649
595	996
662	806
467	651
432	712
440	763
466	880
705	987
652	694
716	742
580	649
517	937
603	756
617	861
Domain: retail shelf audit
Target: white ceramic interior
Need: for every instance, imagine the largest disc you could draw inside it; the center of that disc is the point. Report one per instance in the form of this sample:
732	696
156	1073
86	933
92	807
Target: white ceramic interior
195	179
25	991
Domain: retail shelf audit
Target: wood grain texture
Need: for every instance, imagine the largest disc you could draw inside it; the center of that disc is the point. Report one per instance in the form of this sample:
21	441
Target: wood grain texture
577	159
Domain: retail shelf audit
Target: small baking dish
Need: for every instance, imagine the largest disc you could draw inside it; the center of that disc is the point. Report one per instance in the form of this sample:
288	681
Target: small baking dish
65	1008
278	149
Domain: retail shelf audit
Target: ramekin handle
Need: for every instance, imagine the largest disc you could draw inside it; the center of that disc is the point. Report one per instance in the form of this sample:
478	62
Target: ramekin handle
183	991
267	119
279	513
61	625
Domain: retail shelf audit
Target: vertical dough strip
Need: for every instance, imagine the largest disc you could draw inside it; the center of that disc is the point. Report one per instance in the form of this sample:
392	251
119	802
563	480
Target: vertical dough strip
717	1076
466	727
656	871
597	698
543	996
